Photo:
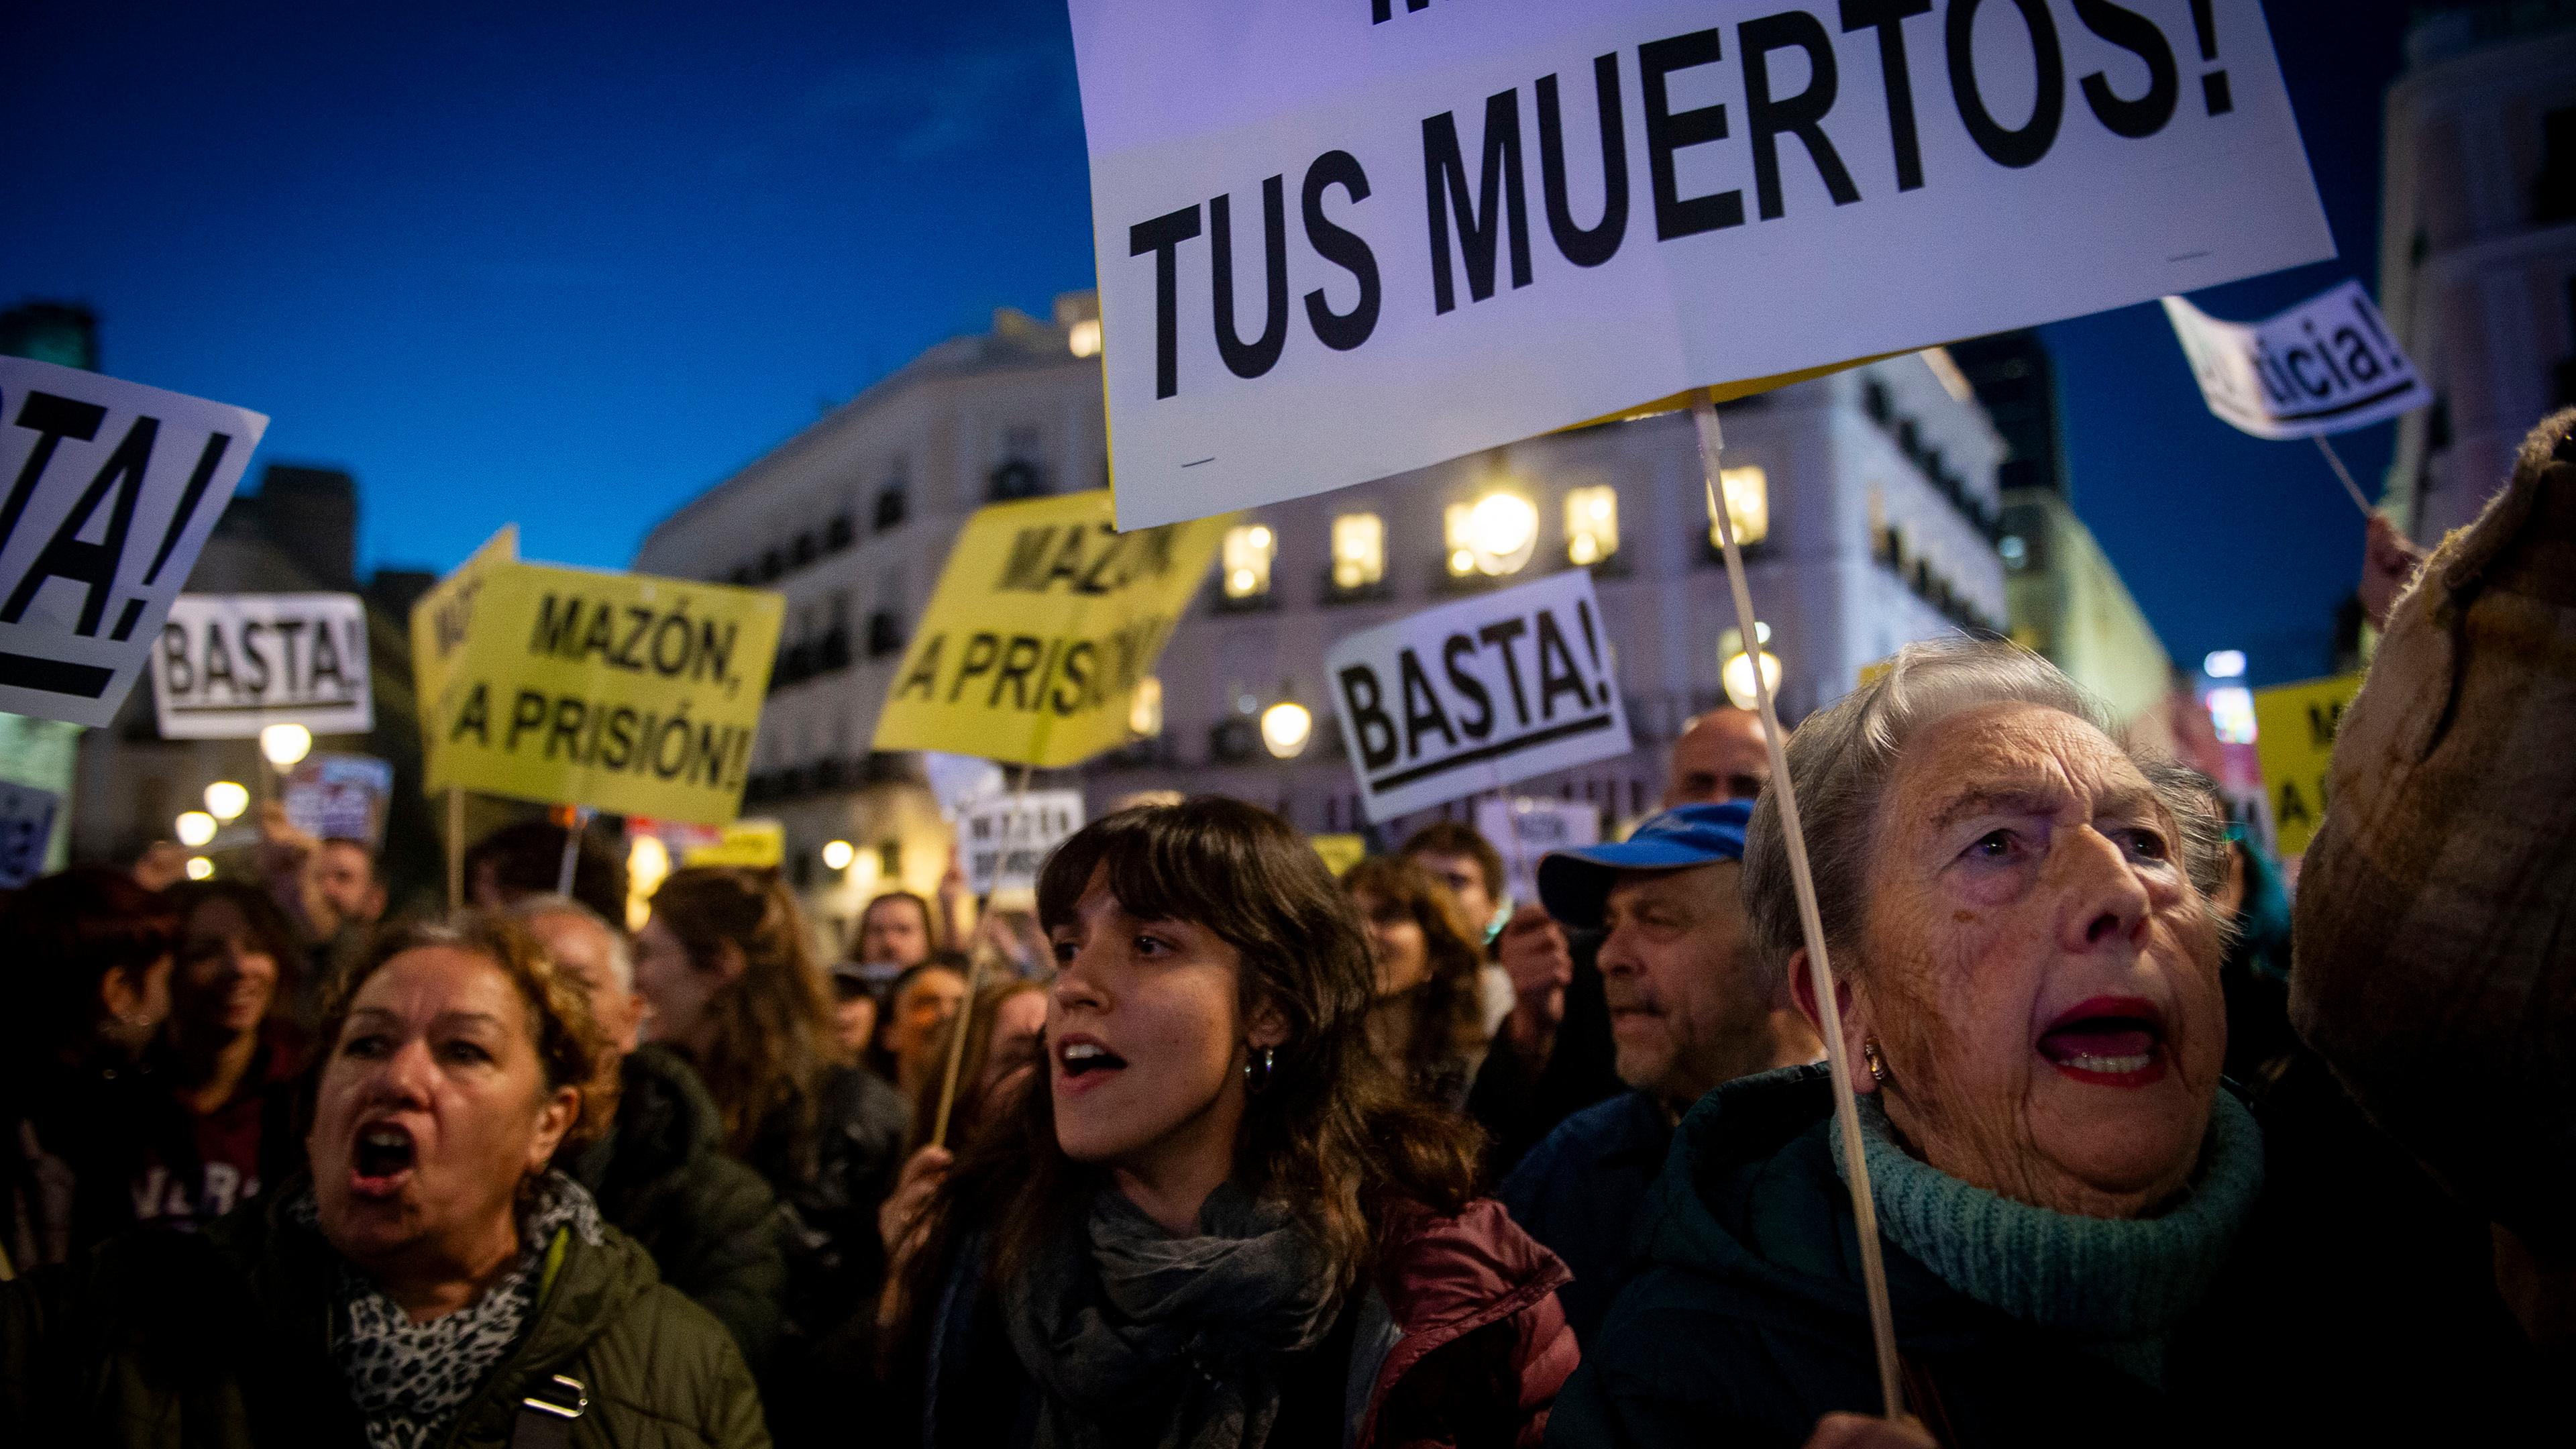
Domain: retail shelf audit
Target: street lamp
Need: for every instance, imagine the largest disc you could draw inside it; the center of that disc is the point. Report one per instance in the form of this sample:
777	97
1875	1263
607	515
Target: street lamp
1285	728
285	744
837	854
194	828
1736	672
1502	529
200	868
227	799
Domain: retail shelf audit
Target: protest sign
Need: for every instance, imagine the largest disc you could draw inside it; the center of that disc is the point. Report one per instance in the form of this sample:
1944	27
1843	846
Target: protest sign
113	488
1340	851
2294	733
439	625
1477	694
1401	233
1003	839
1524	829
759	844
620	692
1045	619
231	665
2324	366
340	797
26	829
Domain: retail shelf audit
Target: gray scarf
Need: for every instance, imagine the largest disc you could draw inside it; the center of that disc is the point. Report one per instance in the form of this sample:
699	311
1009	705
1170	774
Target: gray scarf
1182	1337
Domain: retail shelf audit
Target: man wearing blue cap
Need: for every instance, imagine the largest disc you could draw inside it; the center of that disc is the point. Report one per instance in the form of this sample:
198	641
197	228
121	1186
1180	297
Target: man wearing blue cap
1692	1006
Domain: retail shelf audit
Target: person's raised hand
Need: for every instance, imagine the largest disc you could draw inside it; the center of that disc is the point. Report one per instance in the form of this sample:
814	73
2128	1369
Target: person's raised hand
1535	955
1868	1431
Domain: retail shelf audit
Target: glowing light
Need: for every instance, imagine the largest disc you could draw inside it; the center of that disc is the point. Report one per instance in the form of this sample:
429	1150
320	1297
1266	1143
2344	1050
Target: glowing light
1247	553
226	800
1285	728
1145	710
2224	664
1591	524
1084	339
1502	529
837	854
1747	491
1359	550
200	868
1738	678
284	744
194	827
648	862
2231	714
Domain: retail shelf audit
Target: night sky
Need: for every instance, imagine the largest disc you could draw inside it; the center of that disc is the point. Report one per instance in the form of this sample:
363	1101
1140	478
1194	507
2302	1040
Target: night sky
572	268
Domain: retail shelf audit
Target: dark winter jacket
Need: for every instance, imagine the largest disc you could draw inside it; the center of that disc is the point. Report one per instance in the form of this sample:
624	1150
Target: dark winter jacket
1458	1342
830	1176
1580	1191
1518	1107
661	1176
220	1340
1746	1323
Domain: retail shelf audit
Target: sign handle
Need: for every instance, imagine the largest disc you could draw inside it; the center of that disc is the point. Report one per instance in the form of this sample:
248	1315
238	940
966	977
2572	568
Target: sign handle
2334	460
572	849
455	849
974	988
1873	1267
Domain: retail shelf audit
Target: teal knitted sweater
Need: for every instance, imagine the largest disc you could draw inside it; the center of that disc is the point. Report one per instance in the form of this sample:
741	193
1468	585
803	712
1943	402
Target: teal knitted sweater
2116	1286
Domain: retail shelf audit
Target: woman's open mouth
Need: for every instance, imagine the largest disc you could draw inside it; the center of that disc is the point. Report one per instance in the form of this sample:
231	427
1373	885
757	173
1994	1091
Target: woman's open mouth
1083	1063
2111	1041
381	1160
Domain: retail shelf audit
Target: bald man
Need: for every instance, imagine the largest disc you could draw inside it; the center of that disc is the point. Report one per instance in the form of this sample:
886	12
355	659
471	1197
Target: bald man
1719	757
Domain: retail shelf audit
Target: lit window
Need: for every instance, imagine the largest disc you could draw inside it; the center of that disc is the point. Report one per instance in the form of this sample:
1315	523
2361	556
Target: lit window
1492	536
1591	525
1748	505
1246	554
1083	338
1145	710
1359	550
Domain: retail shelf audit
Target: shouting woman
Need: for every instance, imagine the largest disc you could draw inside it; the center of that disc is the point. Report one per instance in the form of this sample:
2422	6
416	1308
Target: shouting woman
1222	1221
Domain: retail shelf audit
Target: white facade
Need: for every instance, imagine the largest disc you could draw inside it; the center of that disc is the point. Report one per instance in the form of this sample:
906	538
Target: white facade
2478	246
1882	515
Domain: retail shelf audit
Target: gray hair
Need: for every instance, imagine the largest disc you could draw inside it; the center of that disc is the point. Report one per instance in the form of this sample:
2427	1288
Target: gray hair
621	956
1840	761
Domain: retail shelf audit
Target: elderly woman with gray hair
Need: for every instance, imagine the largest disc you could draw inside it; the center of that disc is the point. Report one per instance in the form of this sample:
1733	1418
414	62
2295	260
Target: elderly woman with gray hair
2020	916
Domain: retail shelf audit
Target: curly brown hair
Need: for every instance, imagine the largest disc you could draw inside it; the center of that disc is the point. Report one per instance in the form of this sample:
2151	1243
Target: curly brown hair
571	1049
1448	1017
772	1048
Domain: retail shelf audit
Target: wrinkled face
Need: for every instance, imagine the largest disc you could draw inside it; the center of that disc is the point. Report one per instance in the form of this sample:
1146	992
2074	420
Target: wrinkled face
2037	968
225	976
892	932
1719	758
581	946
675	988
346	876
1145	1037
1687	1010
1396	944
431	1109
1465	878
927	1001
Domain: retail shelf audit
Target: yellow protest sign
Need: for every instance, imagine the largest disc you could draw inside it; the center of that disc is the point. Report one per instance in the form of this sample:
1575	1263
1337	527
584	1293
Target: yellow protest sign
2294	733
1340	852
622	692
759	844
438	627
1045	619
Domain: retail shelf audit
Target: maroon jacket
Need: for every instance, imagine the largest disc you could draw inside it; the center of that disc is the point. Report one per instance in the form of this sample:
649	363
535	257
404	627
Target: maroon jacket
1483	1346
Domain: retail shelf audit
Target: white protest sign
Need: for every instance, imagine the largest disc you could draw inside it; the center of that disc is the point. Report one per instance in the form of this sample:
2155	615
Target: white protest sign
1340	239
113	488
1524	829
26	828
340	797
2325	365
1005	838
230	665
1477	694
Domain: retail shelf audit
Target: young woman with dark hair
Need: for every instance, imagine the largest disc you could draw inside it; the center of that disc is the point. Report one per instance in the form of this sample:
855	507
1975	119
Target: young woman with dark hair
1224	1222
726	966
1426	1013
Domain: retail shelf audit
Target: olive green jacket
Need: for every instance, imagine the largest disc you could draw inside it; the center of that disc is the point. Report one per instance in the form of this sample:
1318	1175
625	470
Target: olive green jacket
222	1340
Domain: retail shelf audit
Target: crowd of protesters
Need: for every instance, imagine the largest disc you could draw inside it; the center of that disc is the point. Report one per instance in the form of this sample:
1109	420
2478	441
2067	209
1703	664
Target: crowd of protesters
1216	1150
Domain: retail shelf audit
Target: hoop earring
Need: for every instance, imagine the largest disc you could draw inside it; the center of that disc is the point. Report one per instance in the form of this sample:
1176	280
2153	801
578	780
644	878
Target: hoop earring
1256	1082
1877	1064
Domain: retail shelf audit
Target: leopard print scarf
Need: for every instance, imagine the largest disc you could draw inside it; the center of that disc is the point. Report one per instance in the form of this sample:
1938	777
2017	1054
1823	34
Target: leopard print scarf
409	1379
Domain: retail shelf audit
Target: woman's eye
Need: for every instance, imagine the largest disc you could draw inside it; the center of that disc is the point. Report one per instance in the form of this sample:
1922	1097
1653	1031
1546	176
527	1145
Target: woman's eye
1151	945
1064	953
465	1052
1993	845
2147	844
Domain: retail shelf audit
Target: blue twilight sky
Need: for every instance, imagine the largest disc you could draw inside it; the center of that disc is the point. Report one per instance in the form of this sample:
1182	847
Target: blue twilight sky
572	264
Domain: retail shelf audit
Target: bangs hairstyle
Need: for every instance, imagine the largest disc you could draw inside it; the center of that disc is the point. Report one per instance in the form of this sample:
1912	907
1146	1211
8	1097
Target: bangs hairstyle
1842	759
571	1049
1334	1134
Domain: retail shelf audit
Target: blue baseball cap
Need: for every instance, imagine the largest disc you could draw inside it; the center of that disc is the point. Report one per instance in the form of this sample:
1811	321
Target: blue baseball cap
1574	885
